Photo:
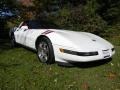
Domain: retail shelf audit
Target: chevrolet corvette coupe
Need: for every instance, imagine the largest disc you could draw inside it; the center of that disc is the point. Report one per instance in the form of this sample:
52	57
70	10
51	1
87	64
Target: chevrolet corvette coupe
58	45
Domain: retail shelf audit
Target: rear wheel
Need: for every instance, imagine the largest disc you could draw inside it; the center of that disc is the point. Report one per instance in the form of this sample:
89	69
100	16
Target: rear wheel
45	51
13	42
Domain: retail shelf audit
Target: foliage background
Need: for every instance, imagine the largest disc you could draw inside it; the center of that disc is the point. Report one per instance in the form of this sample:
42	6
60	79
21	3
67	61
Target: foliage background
101	17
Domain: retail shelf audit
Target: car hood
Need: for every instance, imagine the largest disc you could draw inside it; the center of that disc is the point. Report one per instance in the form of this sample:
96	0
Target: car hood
81	40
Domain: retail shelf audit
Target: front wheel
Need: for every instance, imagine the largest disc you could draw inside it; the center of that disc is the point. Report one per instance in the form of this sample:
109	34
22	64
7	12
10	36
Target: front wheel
45	51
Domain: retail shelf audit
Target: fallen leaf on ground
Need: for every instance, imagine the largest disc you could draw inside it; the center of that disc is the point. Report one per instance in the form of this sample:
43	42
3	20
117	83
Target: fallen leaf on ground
85	86
111	75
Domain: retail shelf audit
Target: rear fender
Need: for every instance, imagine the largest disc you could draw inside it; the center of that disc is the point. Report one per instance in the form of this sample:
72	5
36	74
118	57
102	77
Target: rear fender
11	32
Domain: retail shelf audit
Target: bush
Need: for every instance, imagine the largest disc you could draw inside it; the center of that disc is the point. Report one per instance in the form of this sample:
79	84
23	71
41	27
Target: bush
80	18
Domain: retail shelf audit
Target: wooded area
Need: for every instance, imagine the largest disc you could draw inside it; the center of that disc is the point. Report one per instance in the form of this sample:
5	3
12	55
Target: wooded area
101	17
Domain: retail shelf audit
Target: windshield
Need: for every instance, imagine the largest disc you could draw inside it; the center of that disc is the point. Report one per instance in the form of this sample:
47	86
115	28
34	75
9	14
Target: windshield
35	24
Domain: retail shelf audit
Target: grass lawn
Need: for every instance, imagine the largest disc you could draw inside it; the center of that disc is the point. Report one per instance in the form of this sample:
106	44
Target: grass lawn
20	69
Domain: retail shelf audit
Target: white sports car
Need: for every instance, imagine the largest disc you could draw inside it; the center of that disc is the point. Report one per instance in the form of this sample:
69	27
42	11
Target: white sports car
58	45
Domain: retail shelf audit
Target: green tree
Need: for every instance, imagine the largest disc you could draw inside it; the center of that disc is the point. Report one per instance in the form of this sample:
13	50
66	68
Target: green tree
109	10
11	4
81	18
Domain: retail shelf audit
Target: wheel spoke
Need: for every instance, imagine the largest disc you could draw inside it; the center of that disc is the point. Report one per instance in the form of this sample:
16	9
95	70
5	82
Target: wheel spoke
43	51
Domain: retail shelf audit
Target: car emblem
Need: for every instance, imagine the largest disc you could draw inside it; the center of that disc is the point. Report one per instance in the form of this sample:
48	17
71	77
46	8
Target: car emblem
94	40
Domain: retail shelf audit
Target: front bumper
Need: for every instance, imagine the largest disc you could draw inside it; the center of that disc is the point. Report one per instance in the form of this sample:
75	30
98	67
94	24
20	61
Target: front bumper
102	54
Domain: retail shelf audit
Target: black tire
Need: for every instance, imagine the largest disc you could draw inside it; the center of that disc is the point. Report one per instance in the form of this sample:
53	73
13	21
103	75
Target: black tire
13	42
45	51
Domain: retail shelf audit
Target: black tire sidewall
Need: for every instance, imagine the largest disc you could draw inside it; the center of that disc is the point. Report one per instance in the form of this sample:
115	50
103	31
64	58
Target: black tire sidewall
51	58
13	43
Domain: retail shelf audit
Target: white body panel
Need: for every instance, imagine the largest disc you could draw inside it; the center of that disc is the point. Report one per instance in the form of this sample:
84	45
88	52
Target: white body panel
70	40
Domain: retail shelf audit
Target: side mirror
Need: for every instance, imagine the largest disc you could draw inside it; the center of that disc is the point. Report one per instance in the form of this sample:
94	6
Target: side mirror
24	27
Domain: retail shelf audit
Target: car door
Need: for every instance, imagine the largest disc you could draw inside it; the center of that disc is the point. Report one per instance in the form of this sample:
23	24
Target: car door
31	34
23	35
30	38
